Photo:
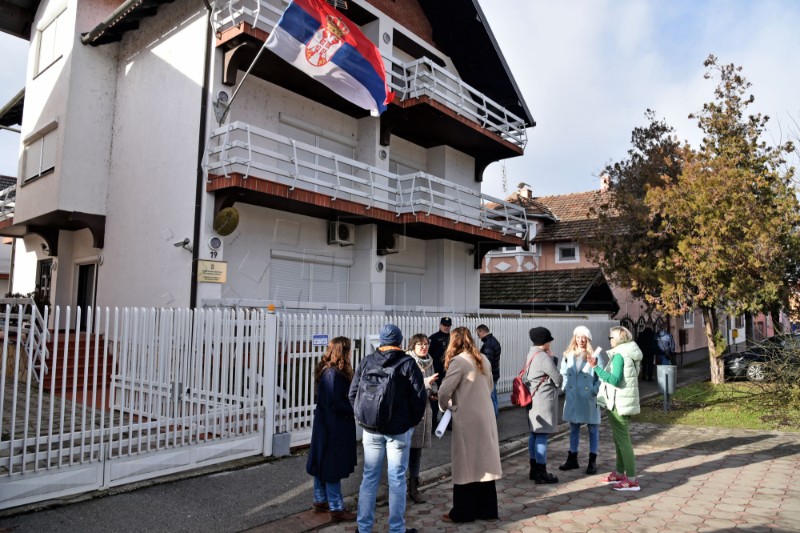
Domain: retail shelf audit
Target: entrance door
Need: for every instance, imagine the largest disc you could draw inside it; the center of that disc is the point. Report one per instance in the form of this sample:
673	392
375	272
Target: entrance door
44	278
86	276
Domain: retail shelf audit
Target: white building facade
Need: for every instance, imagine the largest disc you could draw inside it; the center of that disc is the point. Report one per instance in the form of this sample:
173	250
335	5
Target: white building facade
126	160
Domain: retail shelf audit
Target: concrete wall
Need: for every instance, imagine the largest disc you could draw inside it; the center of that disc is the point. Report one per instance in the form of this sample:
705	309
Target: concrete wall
154	160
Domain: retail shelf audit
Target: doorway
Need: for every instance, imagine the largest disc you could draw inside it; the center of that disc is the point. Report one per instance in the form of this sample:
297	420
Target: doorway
86	286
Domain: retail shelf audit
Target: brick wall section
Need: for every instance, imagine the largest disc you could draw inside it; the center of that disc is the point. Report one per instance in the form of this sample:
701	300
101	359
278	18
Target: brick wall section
408	13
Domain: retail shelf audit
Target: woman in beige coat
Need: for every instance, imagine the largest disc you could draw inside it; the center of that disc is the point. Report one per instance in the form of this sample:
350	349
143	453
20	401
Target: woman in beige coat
475	451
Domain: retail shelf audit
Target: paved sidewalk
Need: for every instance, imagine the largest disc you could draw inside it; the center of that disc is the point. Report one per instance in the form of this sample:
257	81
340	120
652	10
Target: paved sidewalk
692	479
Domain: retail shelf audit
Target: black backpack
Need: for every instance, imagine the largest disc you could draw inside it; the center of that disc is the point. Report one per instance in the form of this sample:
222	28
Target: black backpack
375	394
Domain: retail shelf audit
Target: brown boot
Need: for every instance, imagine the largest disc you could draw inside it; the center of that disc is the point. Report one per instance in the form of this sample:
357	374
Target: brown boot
413	490
345	515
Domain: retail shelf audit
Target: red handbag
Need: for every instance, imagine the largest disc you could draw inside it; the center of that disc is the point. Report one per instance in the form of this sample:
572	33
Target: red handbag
520	394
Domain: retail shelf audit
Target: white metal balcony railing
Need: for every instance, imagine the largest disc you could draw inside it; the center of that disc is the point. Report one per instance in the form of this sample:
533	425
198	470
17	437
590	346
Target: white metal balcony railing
8	198
421	77
255	152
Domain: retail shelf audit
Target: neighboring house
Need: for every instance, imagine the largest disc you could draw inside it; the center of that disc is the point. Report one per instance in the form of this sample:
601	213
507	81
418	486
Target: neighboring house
128	163
562	270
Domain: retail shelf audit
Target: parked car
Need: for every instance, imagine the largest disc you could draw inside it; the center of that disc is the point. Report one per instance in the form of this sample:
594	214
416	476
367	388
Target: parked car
755	362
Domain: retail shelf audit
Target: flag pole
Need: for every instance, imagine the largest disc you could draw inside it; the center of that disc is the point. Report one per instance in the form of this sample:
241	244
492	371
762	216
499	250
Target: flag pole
227	106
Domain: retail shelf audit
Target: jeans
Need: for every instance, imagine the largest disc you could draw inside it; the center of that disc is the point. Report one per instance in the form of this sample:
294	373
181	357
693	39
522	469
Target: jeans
537	447
328	492
575	437
494	398
396	450
664	359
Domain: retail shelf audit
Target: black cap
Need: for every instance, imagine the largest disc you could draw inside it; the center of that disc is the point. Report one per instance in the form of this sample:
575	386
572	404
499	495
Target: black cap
540	336
446	321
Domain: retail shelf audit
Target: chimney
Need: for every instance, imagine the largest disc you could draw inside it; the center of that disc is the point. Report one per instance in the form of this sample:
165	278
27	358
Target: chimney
605	182
525	190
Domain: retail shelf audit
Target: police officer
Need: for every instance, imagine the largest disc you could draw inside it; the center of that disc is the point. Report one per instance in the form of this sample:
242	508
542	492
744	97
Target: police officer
438	345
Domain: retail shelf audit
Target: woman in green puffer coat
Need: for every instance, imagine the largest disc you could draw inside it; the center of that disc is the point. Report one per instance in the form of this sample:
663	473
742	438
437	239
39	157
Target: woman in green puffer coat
619	394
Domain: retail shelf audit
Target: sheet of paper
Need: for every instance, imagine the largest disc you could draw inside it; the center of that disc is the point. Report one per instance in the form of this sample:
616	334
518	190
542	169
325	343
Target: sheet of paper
443	423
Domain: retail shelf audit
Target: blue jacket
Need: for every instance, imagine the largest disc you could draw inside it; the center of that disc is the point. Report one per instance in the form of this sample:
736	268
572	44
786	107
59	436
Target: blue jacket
580	388
410	396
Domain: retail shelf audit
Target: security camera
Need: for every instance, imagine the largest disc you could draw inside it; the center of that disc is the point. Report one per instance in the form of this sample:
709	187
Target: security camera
181	244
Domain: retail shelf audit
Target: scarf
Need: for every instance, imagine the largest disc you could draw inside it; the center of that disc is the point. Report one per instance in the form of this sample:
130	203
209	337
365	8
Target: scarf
424	363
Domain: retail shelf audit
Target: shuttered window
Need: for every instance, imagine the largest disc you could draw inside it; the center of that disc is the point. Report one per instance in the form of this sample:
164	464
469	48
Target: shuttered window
403	289
40	155
307	281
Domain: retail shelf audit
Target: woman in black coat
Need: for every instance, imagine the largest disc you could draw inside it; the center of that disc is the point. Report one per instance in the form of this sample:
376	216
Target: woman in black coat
333	437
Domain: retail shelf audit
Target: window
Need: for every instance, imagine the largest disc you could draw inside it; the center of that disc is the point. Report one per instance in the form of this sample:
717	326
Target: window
48	39
567	253
688	319
739	322
308	281
40	155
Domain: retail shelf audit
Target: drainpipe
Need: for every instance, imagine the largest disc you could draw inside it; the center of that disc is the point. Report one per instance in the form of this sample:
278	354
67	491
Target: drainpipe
201	144
121	12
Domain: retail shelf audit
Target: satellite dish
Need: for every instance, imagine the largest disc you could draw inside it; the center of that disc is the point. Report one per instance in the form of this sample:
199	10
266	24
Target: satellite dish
226	221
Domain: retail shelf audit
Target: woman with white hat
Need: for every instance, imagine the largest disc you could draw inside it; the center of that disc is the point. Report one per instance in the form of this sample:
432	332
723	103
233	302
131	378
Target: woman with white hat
580	385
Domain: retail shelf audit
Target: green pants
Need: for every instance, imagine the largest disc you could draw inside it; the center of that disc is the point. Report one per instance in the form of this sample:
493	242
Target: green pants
626	463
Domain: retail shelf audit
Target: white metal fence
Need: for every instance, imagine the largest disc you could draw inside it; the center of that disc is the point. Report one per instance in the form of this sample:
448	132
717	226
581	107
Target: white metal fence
142	393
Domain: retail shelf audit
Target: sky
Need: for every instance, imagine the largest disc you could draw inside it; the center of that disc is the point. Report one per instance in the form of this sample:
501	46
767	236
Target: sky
589	69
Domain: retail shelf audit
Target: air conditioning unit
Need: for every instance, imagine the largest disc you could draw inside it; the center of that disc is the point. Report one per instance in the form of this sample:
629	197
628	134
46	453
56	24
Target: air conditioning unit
341	233
390	244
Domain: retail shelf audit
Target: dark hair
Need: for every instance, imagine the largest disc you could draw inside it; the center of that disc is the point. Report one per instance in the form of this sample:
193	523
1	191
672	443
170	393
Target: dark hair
419	337
483	327
337	356
460	342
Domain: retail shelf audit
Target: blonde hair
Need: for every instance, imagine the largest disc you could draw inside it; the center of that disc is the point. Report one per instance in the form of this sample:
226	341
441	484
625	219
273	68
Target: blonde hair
460	342
573	345
619	335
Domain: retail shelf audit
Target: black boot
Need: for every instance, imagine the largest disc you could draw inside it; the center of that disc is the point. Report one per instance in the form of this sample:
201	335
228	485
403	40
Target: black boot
572	462
592	468
413	490
533	474
544	476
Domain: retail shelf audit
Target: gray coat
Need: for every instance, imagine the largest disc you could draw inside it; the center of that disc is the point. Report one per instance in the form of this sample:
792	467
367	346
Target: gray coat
543	410
421	438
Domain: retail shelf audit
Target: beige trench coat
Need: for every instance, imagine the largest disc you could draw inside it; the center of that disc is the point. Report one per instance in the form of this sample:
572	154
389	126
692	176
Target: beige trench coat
475	448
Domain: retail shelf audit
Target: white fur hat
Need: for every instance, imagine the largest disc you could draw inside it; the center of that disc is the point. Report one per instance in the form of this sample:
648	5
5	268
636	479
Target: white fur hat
582	330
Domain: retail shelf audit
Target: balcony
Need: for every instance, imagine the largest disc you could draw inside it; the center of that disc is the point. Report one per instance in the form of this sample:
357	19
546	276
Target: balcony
431	106
8	198
256	166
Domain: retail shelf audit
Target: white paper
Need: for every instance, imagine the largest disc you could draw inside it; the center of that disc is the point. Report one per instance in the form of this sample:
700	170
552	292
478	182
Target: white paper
443	423
586	368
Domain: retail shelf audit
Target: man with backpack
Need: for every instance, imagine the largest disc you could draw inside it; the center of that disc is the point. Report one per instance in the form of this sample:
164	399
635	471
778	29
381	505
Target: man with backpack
388	397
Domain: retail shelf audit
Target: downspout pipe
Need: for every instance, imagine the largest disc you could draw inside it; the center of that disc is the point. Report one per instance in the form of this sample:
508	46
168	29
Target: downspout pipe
119	13
201	146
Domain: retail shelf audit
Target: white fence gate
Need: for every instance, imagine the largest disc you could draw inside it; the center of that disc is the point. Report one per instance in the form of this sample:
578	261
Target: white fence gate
143	393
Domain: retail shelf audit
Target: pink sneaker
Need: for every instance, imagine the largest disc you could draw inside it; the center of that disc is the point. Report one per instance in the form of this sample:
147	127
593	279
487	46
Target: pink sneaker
613	477
626	484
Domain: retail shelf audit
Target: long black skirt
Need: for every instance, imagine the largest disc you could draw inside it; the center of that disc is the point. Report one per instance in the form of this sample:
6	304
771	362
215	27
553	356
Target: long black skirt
474	501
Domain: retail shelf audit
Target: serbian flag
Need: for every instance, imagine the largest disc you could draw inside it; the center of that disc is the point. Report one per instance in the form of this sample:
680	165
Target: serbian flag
320	41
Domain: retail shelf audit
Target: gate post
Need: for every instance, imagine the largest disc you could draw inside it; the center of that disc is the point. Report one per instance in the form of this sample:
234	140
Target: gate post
270	377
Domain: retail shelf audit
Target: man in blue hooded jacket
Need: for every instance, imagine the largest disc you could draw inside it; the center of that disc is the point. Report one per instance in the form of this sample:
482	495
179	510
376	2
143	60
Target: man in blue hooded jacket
394	440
